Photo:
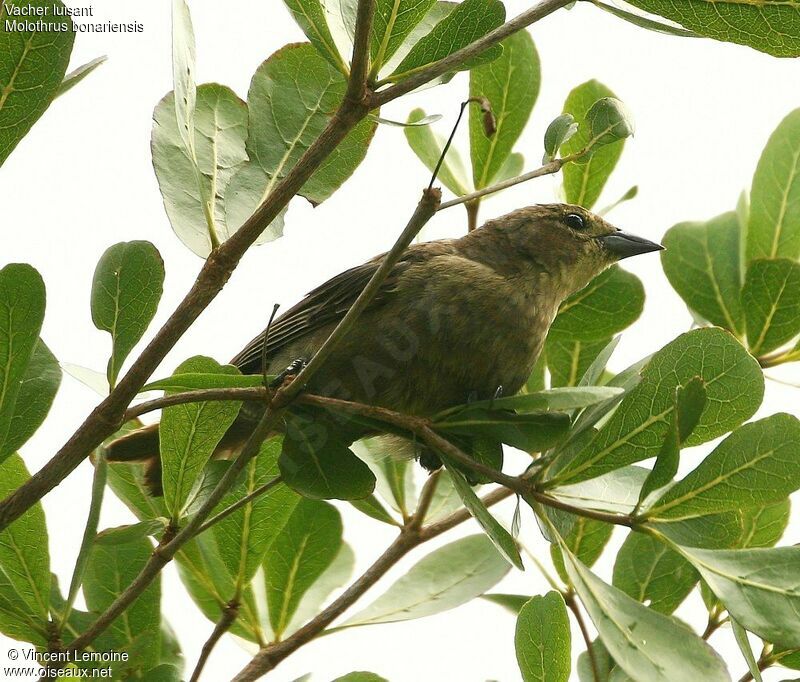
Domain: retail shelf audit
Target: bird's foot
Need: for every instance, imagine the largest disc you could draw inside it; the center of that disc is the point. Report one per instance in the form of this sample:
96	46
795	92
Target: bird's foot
429	460
295	367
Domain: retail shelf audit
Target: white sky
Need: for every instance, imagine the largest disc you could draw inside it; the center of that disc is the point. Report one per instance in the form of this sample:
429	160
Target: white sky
82	180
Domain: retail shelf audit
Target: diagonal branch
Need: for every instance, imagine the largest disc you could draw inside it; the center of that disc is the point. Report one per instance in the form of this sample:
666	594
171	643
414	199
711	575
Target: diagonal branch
359	64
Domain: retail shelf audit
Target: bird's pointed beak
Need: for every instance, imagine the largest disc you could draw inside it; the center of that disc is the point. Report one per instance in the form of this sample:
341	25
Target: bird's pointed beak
624	245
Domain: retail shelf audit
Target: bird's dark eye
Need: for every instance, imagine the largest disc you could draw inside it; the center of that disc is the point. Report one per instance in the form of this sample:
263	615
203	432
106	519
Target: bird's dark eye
574	221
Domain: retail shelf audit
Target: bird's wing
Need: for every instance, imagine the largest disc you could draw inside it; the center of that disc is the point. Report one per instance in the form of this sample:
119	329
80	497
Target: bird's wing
329	302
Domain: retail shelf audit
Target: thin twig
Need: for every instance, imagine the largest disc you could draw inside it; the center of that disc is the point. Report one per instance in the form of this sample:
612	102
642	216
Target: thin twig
200	395
229	615
572	603
548	169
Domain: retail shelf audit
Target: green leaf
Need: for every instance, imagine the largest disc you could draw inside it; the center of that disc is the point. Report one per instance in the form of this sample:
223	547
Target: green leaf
192	186
188	435
773	230
568	360
646	22
510	602
361	676
653	574
36	394
372	507
756	465
749	527
611	302
499	536
605	664
511	84
438	11
316	462
529	432
469	21
744	645
542	639
561	129
24	564
302	551
771	26
195	381
702	263
244	536
446	578
734	386
127	286
771	299
32	66
690	401
291	99
609	121
310	16
22	298
555	399
131	532
393	22
645	644
759	587
428	146
335	576
77	75
110	569
394	475
586	539
616	492
584	182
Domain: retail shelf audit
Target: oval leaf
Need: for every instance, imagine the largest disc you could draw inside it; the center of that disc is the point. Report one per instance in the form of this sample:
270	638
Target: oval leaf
542	639
448	577
734	387
22	297
771	299
511	84
127	286
773	230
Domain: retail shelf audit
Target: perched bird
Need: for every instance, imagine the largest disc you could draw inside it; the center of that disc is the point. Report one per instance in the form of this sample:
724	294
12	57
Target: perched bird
456	319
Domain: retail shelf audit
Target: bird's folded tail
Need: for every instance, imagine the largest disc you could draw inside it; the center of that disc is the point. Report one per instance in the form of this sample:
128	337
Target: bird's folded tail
141	446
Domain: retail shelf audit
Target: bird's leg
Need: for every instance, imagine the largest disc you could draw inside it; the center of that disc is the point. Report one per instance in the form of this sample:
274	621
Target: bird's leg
429	460
498	393
295	367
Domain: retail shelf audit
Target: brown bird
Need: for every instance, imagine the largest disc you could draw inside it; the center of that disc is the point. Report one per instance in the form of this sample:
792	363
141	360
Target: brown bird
456	319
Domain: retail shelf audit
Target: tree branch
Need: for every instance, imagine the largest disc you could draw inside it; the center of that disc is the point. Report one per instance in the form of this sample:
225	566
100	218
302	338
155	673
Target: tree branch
258	492
452	61
359	64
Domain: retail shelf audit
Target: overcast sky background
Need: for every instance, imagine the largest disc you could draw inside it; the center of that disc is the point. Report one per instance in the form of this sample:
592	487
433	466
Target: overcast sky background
83	180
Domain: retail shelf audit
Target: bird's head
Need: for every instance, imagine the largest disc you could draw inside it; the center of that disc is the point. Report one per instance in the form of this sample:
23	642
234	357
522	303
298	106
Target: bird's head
568	244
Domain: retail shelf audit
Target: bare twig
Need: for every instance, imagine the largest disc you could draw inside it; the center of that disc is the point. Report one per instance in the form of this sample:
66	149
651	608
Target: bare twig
229	615
198	396
548	169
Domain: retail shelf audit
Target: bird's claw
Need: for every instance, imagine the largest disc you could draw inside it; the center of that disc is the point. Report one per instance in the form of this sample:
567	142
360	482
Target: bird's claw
295	367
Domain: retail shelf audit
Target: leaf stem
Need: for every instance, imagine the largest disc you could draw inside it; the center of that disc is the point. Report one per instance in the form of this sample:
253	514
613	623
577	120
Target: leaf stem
572	604
258	492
